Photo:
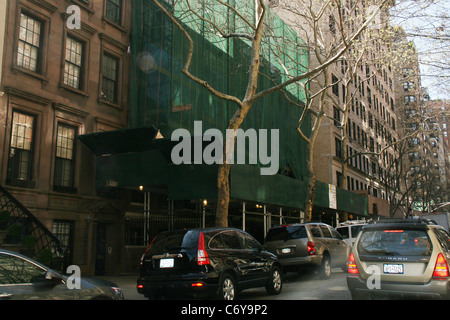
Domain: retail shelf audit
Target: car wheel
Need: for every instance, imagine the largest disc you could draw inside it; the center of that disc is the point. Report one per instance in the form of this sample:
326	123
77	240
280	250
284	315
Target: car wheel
275	283
227	287
325	267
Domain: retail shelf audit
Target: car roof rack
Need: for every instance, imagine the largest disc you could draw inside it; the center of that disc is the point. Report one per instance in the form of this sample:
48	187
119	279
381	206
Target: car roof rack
405	222
352	222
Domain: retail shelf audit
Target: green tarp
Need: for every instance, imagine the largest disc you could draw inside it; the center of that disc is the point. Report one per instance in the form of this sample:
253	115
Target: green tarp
163	99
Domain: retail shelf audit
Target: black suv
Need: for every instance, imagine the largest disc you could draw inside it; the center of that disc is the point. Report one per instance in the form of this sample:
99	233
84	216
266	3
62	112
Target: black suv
201	263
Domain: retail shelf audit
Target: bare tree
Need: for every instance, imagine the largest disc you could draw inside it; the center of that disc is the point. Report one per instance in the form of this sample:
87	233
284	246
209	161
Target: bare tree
427	24
253	26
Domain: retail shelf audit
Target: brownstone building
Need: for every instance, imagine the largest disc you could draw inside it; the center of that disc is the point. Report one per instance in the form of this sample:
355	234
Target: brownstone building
64	73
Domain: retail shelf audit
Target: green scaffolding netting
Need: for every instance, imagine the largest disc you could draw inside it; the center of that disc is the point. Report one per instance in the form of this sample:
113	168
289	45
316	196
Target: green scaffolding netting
161	96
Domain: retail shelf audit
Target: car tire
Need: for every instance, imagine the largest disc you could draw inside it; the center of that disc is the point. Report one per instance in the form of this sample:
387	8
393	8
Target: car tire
275	282
227	287
325	267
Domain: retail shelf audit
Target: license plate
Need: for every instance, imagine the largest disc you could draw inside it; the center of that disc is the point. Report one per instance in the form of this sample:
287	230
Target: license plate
166	263
286	250
393	268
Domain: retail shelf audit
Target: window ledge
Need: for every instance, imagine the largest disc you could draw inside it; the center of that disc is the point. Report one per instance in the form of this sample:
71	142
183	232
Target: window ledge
36	75
109	103
115	25
74	90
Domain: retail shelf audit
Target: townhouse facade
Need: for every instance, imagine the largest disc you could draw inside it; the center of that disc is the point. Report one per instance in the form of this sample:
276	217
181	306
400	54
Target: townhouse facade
64	73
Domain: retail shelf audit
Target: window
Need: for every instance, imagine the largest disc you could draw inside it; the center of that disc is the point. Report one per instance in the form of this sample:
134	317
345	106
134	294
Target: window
73	67
230	240
249	242
336	117
21	149
408	86
16	270
315	231
338	147
287	233
28	50
65	158
64	230
339	179
443	238
410	99
326	232
109	79
335	85
114	11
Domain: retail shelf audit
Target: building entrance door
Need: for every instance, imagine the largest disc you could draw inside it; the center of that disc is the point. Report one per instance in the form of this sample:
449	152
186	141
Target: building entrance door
100	250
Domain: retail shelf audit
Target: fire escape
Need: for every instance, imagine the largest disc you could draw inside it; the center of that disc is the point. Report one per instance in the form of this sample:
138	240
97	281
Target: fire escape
22	232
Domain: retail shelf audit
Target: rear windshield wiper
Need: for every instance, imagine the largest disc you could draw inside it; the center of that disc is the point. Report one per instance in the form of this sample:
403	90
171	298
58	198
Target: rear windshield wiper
381	251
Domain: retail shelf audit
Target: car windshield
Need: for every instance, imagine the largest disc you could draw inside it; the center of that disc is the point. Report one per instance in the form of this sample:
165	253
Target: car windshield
172	242
286	233
395	242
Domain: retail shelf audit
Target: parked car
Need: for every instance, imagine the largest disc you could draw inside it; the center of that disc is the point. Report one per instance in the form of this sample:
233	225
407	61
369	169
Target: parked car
400	258
202	263
349	230
308	244
22	278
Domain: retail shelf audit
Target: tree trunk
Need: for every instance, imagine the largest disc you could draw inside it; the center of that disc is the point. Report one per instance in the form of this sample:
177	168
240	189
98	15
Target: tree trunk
223	174
223	195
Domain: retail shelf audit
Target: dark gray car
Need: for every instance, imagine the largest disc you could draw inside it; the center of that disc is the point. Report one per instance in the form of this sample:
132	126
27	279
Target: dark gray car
309	244
22	278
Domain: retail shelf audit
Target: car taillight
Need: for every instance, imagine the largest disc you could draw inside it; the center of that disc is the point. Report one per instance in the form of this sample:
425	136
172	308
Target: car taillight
197	284
441	268
311	249
351	265
202	255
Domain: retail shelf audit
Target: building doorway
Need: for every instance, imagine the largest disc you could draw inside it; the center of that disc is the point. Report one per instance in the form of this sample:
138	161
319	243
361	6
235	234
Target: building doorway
100	250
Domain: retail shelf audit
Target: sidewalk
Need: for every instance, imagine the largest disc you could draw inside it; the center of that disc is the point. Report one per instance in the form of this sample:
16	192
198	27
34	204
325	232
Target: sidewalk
128	285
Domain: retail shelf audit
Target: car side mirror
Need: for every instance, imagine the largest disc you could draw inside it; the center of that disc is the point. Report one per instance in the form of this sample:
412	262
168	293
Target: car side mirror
262	248
51	278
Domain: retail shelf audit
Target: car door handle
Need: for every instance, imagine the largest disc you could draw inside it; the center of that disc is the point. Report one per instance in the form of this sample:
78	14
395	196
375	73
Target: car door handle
5	296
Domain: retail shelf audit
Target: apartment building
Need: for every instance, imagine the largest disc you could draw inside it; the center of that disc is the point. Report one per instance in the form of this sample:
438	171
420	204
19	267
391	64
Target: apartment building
64	74
423	125
357	139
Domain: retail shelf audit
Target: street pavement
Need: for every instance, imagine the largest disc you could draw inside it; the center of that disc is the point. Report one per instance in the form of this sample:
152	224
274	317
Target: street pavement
305	286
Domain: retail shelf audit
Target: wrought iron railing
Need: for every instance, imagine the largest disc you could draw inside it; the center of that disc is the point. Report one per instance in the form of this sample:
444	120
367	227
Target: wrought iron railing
29	235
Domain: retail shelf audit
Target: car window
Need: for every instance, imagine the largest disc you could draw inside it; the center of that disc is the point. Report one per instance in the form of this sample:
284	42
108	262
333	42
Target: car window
395	242
230	240
443	238
336	234
315	231
356	230
343	231
214	241
287	233
248	242
326	232
14	270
